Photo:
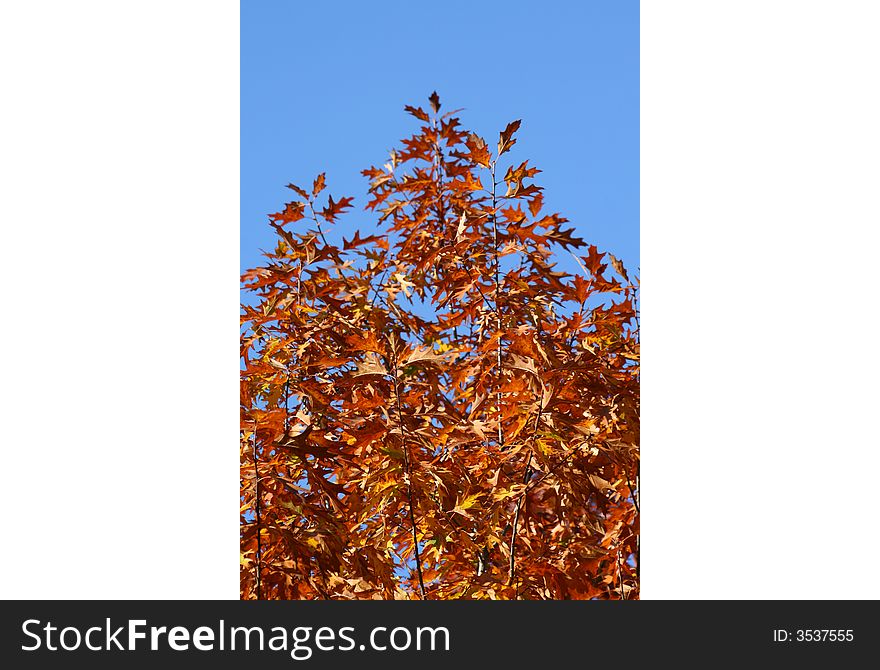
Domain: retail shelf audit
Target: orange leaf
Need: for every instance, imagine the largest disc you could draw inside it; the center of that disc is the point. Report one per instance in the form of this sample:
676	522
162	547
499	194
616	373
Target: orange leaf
333	209
505	140
318	186
417	112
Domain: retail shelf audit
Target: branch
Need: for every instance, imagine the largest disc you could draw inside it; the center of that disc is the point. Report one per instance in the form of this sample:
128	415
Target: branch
317	223
407	470
638	537
526	476
497	305
632	494
258	564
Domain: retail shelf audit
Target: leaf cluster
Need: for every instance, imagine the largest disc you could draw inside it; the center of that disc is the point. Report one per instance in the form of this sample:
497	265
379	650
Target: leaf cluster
436	410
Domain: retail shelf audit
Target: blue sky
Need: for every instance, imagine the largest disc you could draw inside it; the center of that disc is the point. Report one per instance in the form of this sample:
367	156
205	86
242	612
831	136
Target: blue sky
323	85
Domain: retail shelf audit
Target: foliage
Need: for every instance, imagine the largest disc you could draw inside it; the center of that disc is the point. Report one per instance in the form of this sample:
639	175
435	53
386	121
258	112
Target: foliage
435	411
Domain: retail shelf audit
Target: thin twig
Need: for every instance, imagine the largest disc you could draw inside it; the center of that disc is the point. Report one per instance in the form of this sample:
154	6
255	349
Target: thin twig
620	576
317	223
259	567
408	470
526	476
632	494
287	403
639	535
513	529
497	304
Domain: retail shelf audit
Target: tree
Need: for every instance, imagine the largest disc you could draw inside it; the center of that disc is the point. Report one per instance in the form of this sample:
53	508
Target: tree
435	411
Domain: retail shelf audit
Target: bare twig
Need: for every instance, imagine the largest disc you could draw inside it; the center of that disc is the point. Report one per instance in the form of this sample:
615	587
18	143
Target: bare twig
526	476
259	568
497	304
632	494
407	462
317	223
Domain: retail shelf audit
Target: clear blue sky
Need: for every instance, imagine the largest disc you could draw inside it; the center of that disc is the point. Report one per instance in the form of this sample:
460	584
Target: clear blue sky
323	85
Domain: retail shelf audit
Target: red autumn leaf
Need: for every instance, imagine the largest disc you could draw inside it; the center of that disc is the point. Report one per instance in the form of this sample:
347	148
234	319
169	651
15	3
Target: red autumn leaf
293	211
477	151
535	204
318	186
505	140
417	112
299	191
333	209
358	241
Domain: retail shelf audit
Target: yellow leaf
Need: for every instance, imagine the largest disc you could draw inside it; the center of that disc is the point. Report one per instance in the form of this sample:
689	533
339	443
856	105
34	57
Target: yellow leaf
468	502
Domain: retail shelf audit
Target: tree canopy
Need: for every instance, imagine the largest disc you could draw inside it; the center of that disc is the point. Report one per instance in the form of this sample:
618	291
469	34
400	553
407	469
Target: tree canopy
435	410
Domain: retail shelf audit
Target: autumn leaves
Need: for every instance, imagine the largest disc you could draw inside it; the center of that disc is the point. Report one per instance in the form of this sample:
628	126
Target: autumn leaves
418	421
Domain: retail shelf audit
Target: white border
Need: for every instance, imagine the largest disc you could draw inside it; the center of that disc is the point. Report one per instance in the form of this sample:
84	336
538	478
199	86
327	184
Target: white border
120	159
759	222
120	225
